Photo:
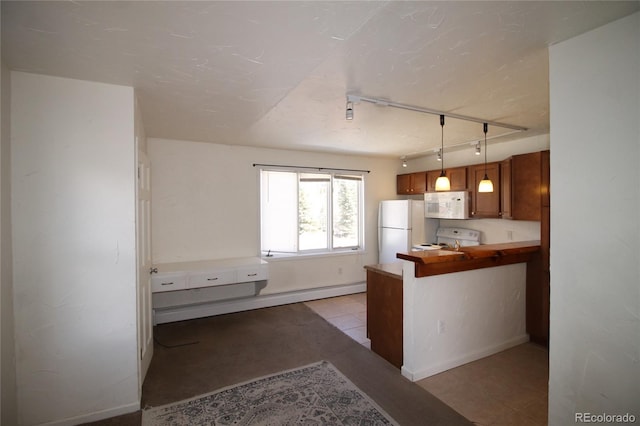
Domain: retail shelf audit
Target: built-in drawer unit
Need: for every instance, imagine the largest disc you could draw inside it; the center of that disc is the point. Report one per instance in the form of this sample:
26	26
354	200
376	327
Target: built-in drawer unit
208	273
188	290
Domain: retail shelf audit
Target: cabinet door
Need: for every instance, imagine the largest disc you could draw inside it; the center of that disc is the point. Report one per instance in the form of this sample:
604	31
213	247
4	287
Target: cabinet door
403	184
458	178
411	183
419	182
432	176
485	204
526	180
384	316
546	179
505	189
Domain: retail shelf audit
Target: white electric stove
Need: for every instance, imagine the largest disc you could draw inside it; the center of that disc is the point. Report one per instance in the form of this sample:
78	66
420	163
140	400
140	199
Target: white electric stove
447	237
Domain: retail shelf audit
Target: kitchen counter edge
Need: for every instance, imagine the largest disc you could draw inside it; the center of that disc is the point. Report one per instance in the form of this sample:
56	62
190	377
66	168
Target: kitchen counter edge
437	262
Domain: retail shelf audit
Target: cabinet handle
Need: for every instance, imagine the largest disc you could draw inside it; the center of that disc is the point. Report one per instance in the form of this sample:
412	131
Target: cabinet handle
166	283
252	275
212	279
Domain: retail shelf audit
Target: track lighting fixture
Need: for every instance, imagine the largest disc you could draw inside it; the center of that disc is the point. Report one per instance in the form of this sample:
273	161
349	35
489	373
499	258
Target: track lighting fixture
485	184
351	99
478	148
349	113
442	183
439	151
404	162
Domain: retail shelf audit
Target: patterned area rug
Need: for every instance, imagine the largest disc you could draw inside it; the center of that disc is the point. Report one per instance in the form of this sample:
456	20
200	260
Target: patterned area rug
317	394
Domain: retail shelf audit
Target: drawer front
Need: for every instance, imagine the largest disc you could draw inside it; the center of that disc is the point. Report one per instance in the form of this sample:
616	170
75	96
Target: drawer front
168	282
252	273
212	278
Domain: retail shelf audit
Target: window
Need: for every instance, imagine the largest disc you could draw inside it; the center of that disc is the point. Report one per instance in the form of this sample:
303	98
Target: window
310	212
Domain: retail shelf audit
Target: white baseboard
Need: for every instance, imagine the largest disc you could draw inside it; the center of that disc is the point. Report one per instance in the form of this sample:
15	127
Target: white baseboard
431	370
99	415
164	315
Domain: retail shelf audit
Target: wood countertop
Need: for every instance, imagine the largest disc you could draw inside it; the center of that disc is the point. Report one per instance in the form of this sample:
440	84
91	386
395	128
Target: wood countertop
445	261
393	270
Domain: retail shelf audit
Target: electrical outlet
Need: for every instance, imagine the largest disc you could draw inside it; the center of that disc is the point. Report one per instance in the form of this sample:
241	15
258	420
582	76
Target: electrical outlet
510	235
440	326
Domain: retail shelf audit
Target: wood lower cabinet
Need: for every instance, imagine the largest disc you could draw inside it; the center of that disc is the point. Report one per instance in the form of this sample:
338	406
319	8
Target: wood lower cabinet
485	204
384	315
457	178
537	301
411	183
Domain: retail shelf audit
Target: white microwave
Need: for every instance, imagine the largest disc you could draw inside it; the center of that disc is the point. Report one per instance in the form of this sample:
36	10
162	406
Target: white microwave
446	205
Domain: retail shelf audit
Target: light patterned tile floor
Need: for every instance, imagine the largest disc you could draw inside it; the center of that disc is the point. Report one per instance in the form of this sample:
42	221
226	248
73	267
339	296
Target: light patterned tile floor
347	313
508	388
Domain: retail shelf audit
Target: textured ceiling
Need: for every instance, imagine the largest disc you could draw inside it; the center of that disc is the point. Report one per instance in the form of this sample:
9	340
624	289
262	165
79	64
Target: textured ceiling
276	74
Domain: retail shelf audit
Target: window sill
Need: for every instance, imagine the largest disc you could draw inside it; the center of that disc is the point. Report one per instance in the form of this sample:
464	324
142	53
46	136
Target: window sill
305	256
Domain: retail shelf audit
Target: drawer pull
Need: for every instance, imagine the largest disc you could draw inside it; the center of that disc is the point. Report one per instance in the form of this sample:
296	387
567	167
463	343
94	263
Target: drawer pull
252	275
171	283
212	279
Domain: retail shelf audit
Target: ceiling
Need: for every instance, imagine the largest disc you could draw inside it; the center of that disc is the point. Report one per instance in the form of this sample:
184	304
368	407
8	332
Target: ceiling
276	74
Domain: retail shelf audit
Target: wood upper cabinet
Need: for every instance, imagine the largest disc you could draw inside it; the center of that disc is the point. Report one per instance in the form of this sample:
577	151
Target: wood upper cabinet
526	189
411	183
505	189
457	177
485	204
546	179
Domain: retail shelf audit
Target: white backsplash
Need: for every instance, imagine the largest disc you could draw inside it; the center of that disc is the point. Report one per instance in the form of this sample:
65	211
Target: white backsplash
494	231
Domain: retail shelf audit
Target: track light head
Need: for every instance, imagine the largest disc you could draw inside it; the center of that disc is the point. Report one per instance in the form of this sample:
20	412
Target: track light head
478	148
349	113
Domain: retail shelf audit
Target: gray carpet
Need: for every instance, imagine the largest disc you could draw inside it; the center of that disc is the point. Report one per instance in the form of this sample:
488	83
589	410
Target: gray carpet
199	356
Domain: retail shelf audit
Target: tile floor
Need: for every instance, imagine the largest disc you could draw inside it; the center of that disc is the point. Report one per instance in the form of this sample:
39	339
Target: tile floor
508	388
347	313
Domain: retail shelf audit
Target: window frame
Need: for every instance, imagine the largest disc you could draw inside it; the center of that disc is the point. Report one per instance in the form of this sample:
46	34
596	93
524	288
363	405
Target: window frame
330	250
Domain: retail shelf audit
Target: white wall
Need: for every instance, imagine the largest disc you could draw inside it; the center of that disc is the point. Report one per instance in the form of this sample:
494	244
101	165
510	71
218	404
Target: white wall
73	209
206	206
8	404
493	231
595	235
482	312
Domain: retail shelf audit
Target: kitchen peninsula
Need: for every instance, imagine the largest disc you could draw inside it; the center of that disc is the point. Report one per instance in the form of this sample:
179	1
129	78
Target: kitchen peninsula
449	307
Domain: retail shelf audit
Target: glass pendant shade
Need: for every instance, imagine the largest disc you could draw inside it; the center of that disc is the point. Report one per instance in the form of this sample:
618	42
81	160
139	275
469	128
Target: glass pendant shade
442	183
485	184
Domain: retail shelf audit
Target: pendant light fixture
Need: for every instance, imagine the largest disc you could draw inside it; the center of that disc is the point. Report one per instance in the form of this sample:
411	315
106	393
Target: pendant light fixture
442	183
485	184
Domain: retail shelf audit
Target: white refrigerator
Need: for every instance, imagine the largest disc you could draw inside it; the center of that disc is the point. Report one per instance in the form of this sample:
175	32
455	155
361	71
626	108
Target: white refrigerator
401	225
